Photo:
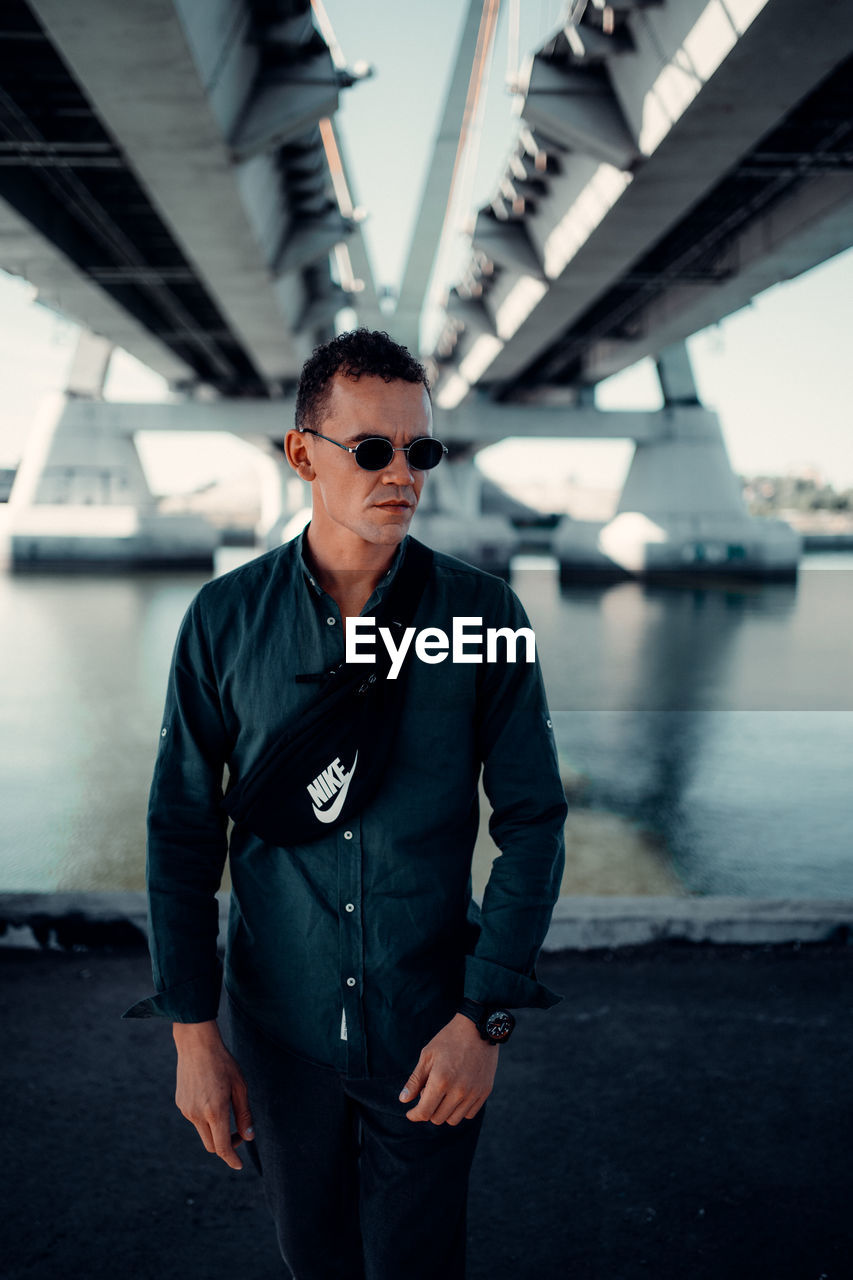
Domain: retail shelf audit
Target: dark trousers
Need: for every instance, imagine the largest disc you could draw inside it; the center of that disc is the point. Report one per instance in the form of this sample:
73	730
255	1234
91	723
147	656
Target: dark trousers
357	1191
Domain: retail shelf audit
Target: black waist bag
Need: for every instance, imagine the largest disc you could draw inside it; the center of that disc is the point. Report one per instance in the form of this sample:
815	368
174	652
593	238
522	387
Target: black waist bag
324	768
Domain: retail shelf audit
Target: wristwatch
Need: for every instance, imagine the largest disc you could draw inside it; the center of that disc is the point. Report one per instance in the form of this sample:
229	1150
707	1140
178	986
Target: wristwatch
494	1025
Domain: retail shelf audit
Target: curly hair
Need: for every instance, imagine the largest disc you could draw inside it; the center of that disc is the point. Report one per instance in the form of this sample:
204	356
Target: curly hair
362	351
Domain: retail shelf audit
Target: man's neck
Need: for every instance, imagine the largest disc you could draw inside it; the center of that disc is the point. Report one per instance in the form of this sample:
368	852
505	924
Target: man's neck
348	570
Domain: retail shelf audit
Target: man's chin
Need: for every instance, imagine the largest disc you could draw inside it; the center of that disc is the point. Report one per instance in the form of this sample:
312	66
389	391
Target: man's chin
391	534
390	528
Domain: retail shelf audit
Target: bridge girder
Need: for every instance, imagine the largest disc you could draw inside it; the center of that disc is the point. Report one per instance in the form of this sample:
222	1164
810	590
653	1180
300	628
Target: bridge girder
615	231
184	174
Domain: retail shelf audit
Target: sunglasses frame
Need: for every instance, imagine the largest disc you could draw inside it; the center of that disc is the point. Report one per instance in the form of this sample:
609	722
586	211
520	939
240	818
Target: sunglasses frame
404	448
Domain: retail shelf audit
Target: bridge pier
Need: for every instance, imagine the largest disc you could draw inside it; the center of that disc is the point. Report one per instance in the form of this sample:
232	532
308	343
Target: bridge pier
450	518
81	499
80	496
283	497
681	511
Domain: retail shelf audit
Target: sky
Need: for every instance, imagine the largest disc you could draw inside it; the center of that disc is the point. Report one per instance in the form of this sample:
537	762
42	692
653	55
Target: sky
778	372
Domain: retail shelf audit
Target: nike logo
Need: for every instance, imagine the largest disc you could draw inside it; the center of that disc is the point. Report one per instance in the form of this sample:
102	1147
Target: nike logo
333	781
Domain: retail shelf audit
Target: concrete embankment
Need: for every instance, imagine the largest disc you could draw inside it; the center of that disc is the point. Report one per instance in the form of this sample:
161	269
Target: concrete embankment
97	920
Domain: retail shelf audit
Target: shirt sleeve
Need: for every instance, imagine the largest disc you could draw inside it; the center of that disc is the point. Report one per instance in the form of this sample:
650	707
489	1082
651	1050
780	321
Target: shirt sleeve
187	837
521	778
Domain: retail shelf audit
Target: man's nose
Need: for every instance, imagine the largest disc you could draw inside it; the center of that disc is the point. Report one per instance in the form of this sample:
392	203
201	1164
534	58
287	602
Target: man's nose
399	470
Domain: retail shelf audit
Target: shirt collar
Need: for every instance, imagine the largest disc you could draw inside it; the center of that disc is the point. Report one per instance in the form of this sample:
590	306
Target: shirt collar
382	585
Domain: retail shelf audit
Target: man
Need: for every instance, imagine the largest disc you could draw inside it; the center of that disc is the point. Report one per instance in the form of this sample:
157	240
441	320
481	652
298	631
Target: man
366	994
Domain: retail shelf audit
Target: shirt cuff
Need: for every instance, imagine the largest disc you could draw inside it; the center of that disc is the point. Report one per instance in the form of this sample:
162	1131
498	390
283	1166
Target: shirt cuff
493	985
196	1000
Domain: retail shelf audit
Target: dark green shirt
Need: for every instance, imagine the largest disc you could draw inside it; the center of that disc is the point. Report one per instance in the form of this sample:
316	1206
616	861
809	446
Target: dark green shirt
355	949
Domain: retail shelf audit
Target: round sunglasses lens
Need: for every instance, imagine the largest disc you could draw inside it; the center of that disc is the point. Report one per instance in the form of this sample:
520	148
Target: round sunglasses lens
425	454
374	454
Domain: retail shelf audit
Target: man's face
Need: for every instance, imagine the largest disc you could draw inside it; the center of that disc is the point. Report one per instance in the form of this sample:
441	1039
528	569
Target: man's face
377	506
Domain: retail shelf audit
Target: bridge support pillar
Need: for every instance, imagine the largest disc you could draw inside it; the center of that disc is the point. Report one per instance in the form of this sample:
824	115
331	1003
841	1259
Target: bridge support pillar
80	496
450	518
681	511
283	498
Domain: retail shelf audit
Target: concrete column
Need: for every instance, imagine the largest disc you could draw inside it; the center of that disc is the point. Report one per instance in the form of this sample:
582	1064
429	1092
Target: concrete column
75	458
81	497
681	510
450	518
675	375
83	462
681	507
685	473
283	497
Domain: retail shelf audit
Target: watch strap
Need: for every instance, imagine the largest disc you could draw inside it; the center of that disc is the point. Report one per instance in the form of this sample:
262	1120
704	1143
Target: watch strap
472	1009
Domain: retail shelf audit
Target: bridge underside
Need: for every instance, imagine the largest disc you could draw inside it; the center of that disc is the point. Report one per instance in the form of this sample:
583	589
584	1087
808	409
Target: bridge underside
170	175
667	171
785	207
166	179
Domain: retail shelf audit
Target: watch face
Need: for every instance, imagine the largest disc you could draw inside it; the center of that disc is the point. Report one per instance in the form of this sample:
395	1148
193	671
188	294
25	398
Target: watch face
498	1025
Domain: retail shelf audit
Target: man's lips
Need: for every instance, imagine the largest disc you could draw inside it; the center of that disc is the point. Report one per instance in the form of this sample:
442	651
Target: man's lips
394	504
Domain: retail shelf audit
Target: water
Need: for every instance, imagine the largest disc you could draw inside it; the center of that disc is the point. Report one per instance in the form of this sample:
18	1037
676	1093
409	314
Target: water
718	721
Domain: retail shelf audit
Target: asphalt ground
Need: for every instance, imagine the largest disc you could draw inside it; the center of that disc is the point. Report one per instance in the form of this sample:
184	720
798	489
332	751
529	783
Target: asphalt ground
686	1112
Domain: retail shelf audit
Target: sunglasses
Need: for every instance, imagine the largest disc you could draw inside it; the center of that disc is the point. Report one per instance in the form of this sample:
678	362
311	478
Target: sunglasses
376	453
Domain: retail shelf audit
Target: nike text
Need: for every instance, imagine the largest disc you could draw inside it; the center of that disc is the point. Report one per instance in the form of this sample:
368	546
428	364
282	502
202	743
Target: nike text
332	782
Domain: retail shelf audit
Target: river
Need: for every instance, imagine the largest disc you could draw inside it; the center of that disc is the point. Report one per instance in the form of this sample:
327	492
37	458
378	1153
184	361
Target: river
706	735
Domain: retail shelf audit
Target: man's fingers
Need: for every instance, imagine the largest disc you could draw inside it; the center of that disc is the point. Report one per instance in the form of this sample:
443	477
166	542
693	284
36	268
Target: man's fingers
460	1113
221	1132
203	1130
465	1109
448	1105
206	1134
240	1103
414	1084
431	1098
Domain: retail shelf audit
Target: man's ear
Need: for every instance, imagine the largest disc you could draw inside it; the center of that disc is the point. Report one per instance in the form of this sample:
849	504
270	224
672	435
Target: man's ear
296	450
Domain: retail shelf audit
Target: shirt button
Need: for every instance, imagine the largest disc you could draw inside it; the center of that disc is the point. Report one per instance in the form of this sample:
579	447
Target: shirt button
350	907
348	835
548	722
350	982
330	621
163	732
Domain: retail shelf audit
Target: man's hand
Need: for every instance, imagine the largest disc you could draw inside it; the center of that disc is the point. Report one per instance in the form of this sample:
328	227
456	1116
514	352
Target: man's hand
454	1075
209	1084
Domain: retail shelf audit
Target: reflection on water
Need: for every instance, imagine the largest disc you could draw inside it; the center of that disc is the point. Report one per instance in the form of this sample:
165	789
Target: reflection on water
715	725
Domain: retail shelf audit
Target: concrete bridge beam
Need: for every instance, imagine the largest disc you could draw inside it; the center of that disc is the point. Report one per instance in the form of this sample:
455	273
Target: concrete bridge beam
578	109
228	153
656	147
282	109
90	366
